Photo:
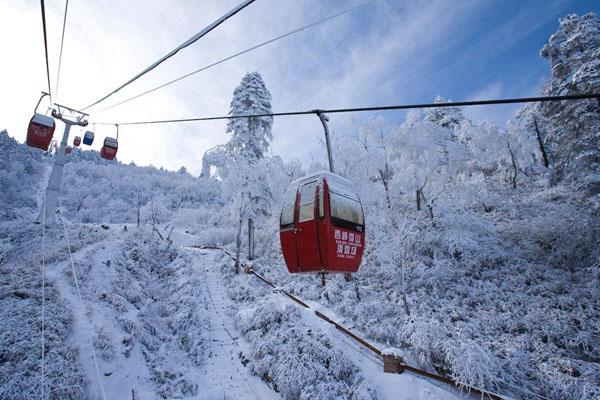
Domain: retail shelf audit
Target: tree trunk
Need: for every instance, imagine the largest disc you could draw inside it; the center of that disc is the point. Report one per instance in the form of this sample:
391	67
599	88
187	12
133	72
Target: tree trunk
540	142
238	244
405	302
384	180
403	284
421	196
138	208
514	163
250	239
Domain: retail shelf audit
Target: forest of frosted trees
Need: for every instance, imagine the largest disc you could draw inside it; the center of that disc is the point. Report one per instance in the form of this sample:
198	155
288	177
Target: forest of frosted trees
482	259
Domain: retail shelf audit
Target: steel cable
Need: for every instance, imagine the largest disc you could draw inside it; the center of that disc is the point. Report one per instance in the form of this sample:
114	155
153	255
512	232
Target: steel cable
62	40
185	44
374	108
265	43
43	7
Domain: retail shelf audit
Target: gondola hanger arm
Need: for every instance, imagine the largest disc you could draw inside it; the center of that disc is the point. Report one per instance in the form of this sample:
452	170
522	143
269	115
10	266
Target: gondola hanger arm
324	119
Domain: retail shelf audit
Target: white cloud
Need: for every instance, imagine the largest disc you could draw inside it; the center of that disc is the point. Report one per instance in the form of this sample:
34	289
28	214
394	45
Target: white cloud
387	51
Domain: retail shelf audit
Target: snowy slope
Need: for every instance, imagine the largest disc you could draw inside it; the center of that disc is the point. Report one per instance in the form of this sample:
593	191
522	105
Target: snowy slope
165	326
482	260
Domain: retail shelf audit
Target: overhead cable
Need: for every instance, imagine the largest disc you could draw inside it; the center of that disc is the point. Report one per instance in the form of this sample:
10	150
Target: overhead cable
375	108
185	44
297	30
46	47
62	41
76	281
43	333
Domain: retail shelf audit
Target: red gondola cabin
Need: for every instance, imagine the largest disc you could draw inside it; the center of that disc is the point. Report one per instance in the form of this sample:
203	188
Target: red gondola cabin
76	141
68	150
322	227
40	131
109	150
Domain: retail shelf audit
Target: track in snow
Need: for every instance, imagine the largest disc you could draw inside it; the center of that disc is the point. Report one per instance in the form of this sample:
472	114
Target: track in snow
225	375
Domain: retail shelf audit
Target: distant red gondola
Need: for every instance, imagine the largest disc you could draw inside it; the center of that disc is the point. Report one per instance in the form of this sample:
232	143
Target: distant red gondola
68	150
322	227
40	131
109	150
76	141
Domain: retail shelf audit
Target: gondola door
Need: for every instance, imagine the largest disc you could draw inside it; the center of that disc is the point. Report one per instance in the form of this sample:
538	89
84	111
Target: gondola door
287	230
307	240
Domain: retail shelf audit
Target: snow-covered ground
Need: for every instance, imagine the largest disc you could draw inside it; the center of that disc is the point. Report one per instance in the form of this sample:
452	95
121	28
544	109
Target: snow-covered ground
166	326
481	260
225	375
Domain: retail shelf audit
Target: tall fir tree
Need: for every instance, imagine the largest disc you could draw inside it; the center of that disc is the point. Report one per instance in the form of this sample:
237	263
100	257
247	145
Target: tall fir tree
571	129
250	137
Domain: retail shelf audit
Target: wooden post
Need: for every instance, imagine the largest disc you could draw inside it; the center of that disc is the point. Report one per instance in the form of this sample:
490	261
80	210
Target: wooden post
392	361
392	364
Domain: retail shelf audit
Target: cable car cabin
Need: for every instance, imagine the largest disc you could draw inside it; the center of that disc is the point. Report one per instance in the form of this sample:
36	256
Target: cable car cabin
68	150
109	150
40	131
88	138
322	225
76	141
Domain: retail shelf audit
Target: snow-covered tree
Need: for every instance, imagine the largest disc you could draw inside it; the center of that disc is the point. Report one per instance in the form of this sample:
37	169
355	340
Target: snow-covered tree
250	136
244	154
572	130
217	157
446	117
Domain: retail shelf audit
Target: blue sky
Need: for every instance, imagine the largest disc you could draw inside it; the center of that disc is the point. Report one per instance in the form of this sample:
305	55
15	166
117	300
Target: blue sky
387	52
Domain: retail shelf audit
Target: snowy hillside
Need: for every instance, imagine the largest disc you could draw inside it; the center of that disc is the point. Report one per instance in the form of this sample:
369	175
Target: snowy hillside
482	261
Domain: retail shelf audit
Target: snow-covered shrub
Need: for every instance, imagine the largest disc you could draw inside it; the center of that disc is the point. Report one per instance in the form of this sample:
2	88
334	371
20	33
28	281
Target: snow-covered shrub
170	323
299	361
103	342
21	173
20	326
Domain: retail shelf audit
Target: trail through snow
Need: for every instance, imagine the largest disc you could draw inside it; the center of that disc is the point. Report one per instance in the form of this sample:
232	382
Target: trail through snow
229	344
225	375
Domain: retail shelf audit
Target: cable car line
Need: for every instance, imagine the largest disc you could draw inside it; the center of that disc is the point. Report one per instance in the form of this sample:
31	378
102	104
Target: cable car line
516	100
182	46
248	50
43	333
43	7
62	40
78	291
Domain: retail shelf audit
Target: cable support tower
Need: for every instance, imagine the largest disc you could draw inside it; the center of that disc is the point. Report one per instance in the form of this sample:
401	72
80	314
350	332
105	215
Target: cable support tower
583	96
182	46
240	53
